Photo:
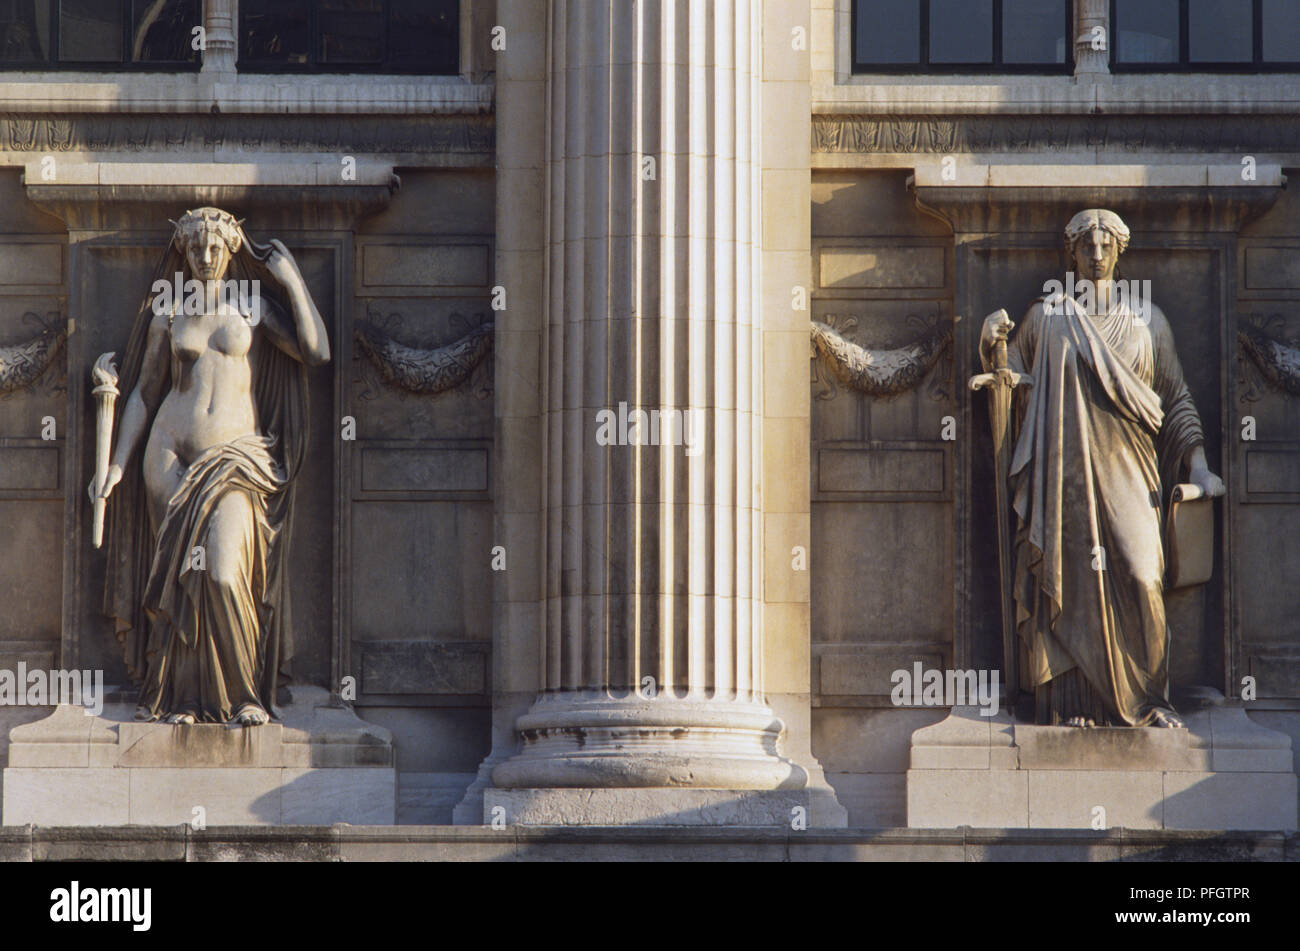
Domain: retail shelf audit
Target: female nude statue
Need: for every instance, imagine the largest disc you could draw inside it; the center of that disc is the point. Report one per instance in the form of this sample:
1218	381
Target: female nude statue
196	580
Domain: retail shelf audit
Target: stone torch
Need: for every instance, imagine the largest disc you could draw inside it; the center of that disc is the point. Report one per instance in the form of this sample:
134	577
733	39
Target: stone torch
104	376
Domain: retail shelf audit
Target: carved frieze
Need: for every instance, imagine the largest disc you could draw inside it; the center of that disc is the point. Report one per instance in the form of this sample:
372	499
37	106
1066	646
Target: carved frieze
99	133
871	134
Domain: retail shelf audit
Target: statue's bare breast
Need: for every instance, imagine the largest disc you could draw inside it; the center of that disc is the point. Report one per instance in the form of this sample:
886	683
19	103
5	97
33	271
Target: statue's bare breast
210	401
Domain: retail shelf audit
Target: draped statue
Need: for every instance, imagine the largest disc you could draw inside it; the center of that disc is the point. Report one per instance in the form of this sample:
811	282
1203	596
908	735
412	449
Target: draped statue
206	452
1106	427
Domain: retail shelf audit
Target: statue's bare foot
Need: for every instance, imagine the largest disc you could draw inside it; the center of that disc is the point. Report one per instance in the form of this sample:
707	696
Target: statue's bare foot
181	719
1167	718
1080	721
250	714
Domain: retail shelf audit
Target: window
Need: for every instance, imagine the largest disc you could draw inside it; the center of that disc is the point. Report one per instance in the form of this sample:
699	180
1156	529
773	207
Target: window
350	36
1205	35
962	36
99	34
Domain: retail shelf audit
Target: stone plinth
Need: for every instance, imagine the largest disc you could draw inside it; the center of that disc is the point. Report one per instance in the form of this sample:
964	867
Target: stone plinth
649	807
1222	772
316	766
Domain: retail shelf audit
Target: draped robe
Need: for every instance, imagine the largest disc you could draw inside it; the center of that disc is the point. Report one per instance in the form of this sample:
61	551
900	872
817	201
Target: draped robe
1104	428
207	631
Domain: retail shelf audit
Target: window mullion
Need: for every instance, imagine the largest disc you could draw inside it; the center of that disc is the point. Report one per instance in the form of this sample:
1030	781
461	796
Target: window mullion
385	56
1257	33
1184	34
997	33
925	33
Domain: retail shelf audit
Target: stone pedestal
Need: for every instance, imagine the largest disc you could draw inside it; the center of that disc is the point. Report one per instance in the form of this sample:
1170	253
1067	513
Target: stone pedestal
1223	772
318	765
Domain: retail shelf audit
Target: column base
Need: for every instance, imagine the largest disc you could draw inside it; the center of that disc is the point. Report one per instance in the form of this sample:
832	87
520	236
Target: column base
585	741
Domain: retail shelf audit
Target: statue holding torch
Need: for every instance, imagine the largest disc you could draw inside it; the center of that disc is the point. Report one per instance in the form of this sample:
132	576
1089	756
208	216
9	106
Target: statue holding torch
104	376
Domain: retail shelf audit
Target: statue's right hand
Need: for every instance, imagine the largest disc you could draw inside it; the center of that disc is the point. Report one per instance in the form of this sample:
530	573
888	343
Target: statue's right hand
98	490
997	326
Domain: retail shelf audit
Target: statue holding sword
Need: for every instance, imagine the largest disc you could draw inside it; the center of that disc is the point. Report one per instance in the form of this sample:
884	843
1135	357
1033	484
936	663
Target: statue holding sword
1106	429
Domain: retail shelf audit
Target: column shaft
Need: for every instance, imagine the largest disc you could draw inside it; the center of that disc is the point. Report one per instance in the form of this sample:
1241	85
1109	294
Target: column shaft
651	628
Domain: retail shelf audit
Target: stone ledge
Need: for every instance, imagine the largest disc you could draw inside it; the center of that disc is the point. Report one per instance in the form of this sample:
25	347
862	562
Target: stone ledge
1194	94
476	843
1090	175
646	807
290	172
66	92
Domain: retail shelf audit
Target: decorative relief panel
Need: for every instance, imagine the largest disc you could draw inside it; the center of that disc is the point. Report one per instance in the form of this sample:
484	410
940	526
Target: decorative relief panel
877	372
1267	358
1240	133
23	364
342	134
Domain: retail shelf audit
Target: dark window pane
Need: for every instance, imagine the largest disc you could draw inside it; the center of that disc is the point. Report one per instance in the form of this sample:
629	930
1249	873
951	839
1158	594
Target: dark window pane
25	31
1147	31
352	31
1219	31
90	31
424	34
889	31
961	31
274	32
1281	31
1033	31
163	30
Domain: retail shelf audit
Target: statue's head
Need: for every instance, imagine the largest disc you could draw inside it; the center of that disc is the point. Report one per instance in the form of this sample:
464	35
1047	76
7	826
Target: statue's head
208	237
1095	239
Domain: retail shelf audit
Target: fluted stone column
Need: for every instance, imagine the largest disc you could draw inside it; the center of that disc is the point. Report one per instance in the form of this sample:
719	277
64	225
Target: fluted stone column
652	627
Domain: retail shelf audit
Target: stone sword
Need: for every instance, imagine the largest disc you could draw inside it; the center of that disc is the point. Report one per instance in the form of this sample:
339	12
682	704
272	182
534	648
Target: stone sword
1001	383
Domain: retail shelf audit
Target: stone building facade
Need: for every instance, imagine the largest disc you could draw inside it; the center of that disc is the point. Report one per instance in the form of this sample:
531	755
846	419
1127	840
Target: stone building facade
650	202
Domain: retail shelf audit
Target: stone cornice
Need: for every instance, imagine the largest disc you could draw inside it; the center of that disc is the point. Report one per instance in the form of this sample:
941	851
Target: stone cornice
258	94
1196	94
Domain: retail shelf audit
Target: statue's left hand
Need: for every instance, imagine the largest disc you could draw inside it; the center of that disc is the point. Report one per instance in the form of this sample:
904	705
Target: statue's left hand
281	263
1210	484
